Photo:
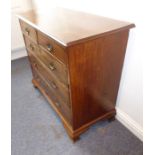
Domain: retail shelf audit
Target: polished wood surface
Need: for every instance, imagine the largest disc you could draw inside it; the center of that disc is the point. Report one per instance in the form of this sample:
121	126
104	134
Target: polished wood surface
36	82
95	70
57	88
52	47
76	65
61	106
57	69
70	27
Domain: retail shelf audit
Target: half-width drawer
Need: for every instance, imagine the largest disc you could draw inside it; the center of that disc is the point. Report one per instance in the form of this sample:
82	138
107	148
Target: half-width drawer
61	91
52	47
61	107
28	31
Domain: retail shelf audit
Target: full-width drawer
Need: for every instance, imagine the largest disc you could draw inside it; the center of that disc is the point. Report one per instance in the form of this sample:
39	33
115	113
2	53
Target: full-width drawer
61	91
61	107
28	31
56	68
52	47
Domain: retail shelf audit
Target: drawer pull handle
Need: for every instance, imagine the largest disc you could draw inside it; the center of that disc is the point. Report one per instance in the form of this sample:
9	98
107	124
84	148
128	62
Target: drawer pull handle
35	65
31	47
57	104
54	85
49	47
27	31
52	67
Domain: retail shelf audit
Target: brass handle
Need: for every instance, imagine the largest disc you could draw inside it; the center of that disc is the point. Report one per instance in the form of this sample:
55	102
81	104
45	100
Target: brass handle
52	67
54	85
49	47
35	65
31	47
57	104
27	31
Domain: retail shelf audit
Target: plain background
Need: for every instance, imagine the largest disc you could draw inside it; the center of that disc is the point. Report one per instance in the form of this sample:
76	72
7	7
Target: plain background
145	10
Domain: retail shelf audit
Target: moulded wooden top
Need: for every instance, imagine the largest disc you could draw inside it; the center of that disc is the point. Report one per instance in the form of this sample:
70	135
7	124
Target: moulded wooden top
70	27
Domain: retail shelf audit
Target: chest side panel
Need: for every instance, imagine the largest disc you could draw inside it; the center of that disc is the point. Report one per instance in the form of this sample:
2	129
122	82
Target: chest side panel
95	70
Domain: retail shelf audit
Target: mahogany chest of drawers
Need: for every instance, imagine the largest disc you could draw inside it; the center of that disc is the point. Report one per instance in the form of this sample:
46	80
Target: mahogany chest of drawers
76	61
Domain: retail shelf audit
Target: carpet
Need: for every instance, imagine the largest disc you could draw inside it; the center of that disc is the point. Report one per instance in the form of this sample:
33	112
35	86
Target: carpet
37	130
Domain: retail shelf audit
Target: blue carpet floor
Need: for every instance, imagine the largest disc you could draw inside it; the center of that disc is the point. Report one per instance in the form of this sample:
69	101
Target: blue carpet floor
37	130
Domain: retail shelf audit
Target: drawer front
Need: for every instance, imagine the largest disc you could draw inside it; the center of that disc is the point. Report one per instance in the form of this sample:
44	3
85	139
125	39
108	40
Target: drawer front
52	47
31	46
55	68
59	90
28	31
61	107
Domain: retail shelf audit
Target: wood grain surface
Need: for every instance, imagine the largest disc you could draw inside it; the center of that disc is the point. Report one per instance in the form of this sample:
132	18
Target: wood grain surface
70	27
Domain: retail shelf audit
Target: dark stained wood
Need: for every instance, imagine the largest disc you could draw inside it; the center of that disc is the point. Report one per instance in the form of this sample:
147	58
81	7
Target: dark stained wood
112	119
70	27
52	102
80	77
59	90
52	47
57	69
58	102
95	70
